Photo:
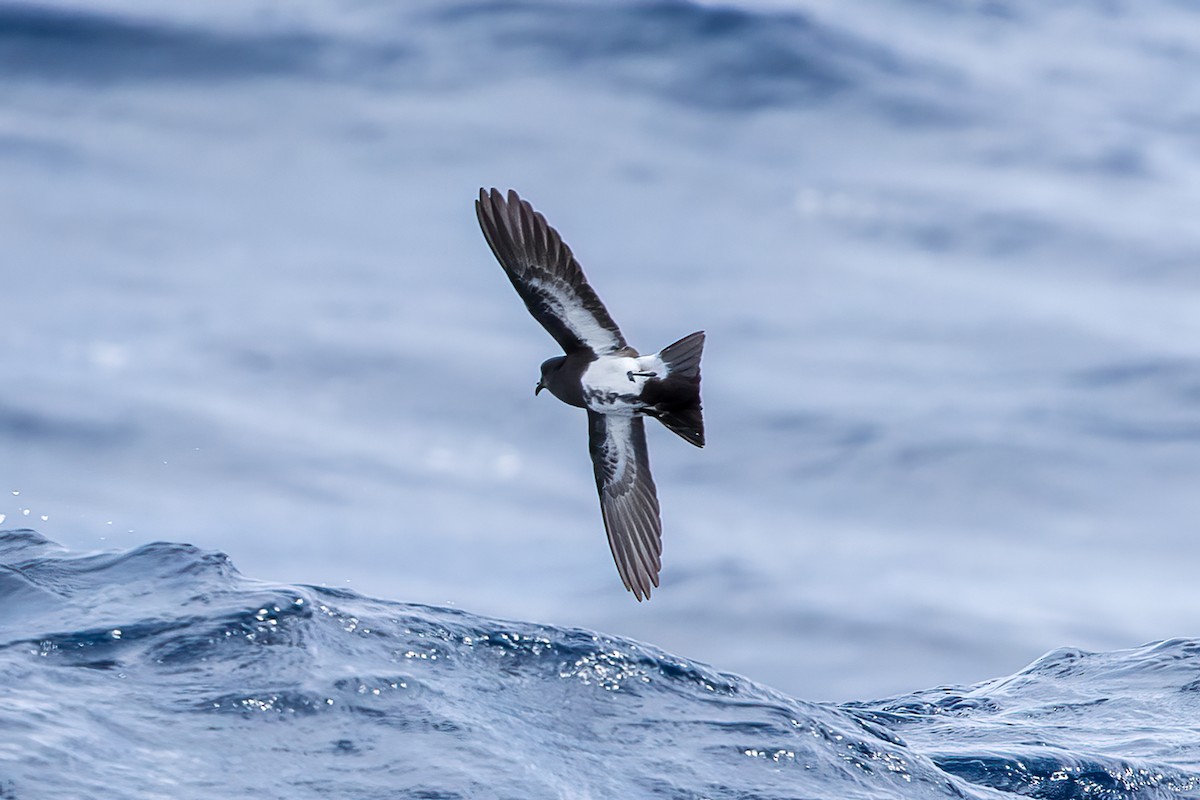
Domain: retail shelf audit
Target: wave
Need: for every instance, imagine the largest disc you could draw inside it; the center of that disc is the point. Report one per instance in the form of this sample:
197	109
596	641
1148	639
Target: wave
82	45
1073	724
163	669
720	59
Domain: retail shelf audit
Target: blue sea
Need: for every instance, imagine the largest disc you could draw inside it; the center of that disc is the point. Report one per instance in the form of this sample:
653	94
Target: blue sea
946	257
162	671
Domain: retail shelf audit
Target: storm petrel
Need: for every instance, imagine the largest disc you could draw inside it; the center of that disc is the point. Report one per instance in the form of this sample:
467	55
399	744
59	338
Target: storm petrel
603	374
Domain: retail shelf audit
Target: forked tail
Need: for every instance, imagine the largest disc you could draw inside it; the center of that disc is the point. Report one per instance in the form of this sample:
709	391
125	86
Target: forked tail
677	396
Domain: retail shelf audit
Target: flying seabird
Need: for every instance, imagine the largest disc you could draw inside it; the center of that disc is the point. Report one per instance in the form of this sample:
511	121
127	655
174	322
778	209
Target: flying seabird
602	373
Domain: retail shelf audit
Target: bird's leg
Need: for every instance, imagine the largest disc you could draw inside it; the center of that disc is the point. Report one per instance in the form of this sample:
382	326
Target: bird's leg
631	375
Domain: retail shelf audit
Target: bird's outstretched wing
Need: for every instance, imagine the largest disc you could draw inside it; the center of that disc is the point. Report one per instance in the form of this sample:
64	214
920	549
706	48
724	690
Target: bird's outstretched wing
627	499
546	274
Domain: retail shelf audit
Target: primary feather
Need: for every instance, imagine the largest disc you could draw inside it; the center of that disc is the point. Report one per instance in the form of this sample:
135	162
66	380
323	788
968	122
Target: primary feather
546	274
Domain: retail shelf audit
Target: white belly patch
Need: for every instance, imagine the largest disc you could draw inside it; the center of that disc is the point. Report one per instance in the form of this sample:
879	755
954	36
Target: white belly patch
614	383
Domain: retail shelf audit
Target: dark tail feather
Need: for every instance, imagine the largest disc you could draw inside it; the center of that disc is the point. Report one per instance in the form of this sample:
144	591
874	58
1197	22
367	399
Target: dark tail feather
687	422
679	407
683	358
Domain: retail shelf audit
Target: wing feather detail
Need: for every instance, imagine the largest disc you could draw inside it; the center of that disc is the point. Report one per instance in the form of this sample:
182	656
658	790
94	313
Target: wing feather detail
628	501
546	275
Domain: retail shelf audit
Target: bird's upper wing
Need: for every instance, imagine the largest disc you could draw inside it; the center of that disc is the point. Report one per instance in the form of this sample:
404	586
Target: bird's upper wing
627	500
545	274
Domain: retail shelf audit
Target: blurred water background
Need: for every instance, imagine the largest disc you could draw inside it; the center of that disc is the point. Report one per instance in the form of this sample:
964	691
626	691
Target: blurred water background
945	253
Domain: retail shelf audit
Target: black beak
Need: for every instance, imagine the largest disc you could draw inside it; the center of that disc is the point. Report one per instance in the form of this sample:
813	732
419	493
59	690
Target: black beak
539	387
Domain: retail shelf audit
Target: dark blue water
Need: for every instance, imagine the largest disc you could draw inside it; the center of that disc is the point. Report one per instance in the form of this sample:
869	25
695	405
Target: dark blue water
163	672
945	253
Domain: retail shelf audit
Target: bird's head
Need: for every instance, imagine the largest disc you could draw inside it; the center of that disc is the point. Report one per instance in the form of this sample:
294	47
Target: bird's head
549	367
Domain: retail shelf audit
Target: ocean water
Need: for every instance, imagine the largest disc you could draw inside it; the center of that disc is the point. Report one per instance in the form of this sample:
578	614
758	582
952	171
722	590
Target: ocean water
944	252
162	672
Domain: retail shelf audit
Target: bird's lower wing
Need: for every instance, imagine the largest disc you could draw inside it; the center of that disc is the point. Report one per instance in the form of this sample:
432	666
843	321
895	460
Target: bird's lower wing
546	274
627	498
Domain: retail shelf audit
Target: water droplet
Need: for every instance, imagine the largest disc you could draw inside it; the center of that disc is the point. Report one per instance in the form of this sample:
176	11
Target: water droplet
25	511
116	633
16	493
1	518
45	517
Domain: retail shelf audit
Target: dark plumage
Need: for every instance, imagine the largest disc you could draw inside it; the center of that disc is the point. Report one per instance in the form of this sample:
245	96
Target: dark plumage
599	371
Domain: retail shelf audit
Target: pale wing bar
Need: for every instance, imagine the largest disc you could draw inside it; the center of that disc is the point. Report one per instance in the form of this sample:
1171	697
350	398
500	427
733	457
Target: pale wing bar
628	501
545	274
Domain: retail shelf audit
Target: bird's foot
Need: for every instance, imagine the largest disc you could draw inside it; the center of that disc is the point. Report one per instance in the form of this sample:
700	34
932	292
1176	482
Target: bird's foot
631	375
